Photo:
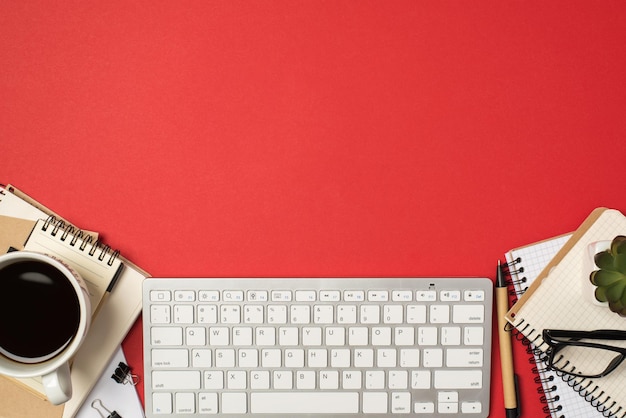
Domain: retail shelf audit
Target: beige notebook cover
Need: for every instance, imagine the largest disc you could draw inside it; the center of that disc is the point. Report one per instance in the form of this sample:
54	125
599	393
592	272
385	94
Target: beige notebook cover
555	300
110	326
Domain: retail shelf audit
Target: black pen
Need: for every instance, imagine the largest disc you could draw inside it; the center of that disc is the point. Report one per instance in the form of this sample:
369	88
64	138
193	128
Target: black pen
509	379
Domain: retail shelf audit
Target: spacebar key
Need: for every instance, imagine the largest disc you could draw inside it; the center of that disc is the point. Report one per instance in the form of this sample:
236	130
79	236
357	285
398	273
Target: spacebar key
304	402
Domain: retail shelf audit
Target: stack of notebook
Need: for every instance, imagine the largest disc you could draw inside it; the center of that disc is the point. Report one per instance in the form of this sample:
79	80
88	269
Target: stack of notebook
552	280
114	284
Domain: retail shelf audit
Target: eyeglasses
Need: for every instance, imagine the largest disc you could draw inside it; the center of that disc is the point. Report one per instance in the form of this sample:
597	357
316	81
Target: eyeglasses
572	353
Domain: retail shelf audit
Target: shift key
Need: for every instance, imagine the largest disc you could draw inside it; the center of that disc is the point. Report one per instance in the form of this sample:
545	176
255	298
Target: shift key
458	379
176	380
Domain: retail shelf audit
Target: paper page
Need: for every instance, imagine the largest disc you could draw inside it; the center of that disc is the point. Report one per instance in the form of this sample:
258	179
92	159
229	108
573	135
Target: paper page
118	397
11	205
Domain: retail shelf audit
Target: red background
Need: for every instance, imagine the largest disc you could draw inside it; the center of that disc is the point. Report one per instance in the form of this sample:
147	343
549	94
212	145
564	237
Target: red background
317	138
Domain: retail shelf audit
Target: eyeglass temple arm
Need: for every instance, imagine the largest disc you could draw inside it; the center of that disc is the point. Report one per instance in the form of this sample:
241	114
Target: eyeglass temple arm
601	334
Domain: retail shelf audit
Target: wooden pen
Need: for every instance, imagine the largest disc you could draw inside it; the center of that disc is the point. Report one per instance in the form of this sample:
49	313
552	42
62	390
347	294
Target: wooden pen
509	379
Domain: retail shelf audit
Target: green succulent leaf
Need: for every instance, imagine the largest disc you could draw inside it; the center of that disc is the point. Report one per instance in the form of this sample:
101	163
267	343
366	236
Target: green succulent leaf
623	299
618	245
606	277
617	307
620	262
600	294
604	260
614	292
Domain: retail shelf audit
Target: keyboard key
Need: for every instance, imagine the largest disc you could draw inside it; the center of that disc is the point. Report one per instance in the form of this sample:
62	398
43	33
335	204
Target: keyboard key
230	314
402	296
166	336
358	336
375	402
257	295
426	296
323	314
195	336
346	314
450	296
420	379
253	314
474	295
201	357
176	380
277	314
160	296
183	314
424	408
401	403
184	295
207	314
306	295
370	314
300	314
378	296
354	296
409	357
232	295
427	335
234	403
170	358
416	314
439	314
162	403
207	403
219	336
213	380
330	295
464	357
281	296
160	314
393	314
208	296
305	403
474	335
185	403
468	314
458	379
450	336
471	407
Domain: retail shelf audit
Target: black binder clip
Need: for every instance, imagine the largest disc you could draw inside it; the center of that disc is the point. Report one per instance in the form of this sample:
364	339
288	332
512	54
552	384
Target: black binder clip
102	407
122	375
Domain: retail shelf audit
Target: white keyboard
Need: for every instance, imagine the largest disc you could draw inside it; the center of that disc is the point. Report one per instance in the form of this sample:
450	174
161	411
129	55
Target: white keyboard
317	347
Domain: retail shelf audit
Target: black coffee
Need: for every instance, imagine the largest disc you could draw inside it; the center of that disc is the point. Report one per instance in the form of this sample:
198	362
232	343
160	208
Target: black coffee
39	310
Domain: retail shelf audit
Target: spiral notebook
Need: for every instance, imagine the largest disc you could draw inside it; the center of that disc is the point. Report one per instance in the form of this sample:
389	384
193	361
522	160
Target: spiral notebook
98	264
555	300
525	264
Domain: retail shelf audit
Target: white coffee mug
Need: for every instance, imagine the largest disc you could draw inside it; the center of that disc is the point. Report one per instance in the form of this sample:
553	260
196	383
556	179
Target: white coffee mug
45	314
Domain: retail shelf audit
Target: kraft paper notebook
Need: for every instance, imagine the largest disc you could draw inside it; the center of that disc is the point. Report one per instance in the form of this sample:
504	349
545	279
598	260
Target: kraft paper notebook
557	300
525	264
118	311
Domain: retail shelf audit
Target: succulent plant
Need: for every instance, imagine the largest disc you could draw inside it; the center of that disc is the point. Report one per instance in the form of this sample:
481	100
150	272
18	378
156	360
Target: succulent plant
610	279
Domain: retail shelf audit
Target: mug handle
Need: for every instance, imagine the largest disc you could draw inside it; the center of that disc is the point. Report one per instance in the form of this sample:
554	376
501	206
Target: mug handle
58	385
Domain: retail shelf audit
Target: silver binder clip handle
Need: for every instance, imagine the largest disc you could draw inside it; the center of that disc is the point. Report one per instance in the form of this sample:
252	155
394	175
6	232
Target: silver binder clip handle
101	408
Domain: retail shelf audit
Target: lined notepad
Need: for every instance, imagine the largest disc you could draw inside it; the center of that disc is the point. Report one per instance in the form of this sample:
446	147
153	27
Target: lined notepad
526	263
555	300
